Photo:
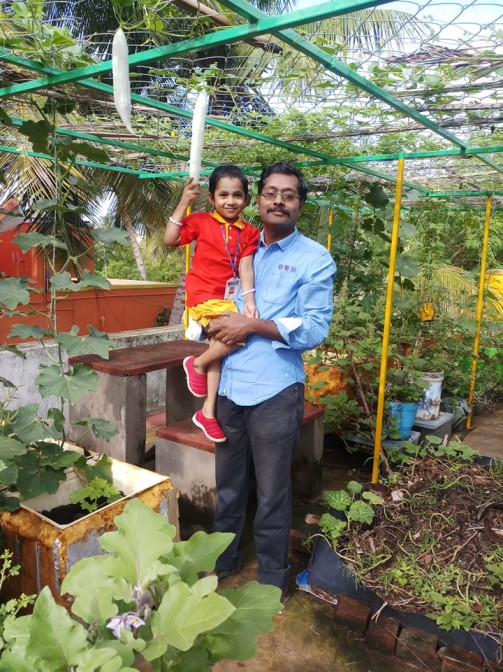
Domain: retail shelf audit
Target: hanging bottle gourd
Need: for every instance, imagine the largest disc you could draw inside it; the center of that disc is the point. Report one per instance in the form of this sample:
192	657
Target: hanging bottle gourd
120	72
197	141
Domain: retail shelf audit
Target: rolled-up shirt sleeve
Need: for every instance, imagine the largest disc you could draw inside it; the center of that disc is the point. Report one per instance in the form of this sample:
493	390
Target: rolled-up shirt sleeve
308	326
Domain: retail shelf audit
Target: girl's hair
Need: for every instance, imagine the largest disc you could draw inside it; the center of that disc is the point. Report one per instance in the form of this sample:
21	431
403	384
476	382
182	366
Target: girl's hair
284	168
227	170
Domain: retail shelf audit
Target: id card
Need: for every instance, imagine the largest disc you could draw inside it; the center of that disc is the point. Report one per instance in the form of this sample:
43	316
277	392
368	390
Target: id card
231	288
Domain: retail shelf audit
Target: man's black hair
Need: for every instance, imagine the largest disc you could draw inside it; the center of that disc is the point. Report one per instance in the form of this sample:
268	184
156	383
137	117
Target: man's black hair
227	170
284	168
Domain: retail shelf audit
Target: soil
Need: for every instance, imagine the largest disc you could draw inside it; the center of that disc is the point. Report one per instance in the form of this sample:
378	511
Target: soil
69	513
440	527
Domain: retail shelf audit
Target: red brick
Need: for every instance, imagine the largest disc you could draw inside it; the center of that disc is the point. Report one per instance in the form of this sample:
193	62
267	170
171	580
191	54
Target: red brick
382	634
352	614
418	649
456	659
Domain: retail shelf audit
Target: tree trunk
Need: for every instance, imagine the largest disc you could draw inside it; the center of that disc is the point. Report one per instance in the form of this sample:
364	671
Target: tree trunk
128	225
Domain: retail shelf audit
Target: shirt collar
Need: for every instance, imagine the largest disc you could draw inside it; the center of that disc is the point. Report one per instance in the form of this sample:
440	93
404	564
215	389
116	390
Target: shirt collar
284	243
239	223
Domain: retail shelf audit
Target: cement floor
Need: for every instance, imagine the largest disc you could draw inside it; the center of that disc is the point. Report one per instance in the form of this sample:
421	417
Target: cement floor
304	638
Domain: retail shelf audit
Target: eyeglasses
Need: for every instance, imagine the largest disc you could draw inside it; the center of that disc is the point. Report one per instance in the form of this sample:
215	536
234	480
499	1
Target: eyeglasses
286	196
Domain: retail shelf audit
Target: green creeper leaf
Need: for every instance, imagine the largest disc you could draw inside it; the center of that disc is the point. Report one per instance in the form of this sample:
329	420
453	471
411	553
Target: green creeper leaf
28	240
97	343
35	479
70	386
92	280
338	499
361	512
102	429
8	504
55	456
184	613
255	605
373	498
407	266
38	133
29	427
142	536
26	331
63	282
110	236
58	419
14	350
4	118
10	448
13	291
407	231
100	468
354	487
88	151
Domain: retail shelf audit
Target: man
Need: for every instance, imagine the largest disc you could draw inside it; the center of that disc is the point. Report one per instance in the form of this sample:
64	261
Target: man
260	403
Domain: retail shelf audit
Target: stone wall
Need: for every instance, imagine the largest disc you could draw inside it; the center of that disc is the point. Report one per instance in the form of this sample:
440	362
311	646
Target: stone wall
22	372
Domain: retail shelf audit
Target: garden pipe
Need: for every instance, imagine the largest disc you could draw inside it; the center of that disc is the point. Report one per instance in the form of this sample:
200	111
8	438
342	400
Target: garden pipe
387	320
480	307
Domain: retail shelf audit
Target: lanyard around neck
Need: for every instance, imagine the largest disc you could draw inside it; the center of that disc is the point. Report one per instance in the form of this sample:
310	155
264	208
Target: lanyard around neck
234	262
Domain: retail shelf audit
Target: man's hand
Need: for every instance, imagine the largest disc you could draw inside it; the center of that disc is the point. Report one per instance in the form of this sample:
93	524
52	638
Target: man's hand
230	328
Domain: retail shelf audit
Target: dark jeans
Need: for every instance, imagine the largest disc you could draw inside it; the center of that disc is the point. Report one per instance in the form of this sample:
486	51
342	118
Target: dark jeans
265	433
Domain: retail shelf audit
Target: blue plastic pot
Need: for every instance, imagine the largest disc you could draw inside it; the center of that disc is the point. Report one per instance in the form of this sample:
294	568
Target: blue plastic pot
404	413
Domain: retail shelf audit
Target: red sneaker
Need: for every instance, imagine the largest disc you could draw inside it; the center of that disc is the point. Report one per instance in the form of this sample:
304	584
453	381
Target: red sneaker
196	382
210	427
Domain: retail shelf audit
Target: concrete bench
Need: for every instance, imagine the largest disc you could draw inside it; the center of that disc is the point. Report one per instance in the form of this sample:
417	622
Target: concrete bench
121	395
188	457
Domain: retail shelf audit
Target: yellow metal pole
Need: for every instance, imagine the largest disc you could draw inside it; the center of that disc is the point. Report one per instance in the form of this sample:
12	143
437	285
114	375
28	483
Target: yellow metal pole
387	321
187	268
480	307
330	221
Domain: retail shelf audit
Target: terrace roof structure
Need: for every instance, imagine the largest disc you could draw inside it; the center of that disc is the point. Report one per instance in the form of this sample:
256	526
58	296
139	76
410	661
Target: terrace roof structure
343	88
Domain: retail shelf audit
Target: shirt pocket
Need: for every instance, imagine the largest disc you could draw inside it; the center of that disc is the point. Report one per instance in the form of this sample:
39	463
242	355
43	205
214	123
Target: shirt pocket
280	286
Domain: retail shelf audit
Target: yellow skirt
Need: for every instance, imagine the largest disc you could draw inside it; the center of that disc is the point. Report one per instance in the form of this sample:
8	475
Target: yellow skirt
206	311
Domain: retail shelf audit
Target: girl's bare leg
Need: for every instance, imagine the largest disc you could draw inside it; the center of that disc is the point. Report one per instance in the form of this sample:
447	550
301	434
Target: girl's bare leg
209	404
215	353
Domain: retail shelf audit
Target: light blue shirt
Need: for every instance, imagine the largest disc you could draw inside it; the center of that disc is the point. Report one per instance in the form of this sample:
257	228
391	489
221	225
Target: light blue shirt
294	288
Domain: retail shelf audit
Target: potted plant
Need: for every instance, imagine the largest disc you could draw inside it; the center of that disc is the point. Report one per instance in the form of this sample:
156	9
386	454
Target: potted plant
142	606
405	386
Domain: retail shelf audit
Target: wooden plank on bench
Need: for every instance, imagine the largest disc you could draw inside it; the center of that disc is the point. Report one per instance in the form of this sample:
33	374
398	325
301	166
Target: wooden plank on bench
140	359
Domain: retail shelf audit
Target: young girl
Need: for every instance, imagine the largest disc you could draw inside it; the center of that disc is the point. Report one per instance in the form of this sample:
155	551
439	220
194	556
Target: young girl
222	263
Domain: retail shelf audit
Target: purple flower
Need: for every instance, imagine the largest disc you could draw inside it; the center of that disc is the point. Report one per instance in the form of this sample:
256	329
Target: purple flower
128	620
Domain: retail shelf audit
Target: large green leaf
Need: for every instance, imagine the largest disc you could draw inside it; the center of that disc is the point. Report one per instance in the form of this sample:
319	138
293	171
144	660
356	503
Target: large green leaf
10	448
70	386
92	280
28	240
255	605
141	538
55	456
29	427
96	585
199	553
38	133
184	613
13	292
110	236
62	282
407	266
97	343
33	478
102	429
27	331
